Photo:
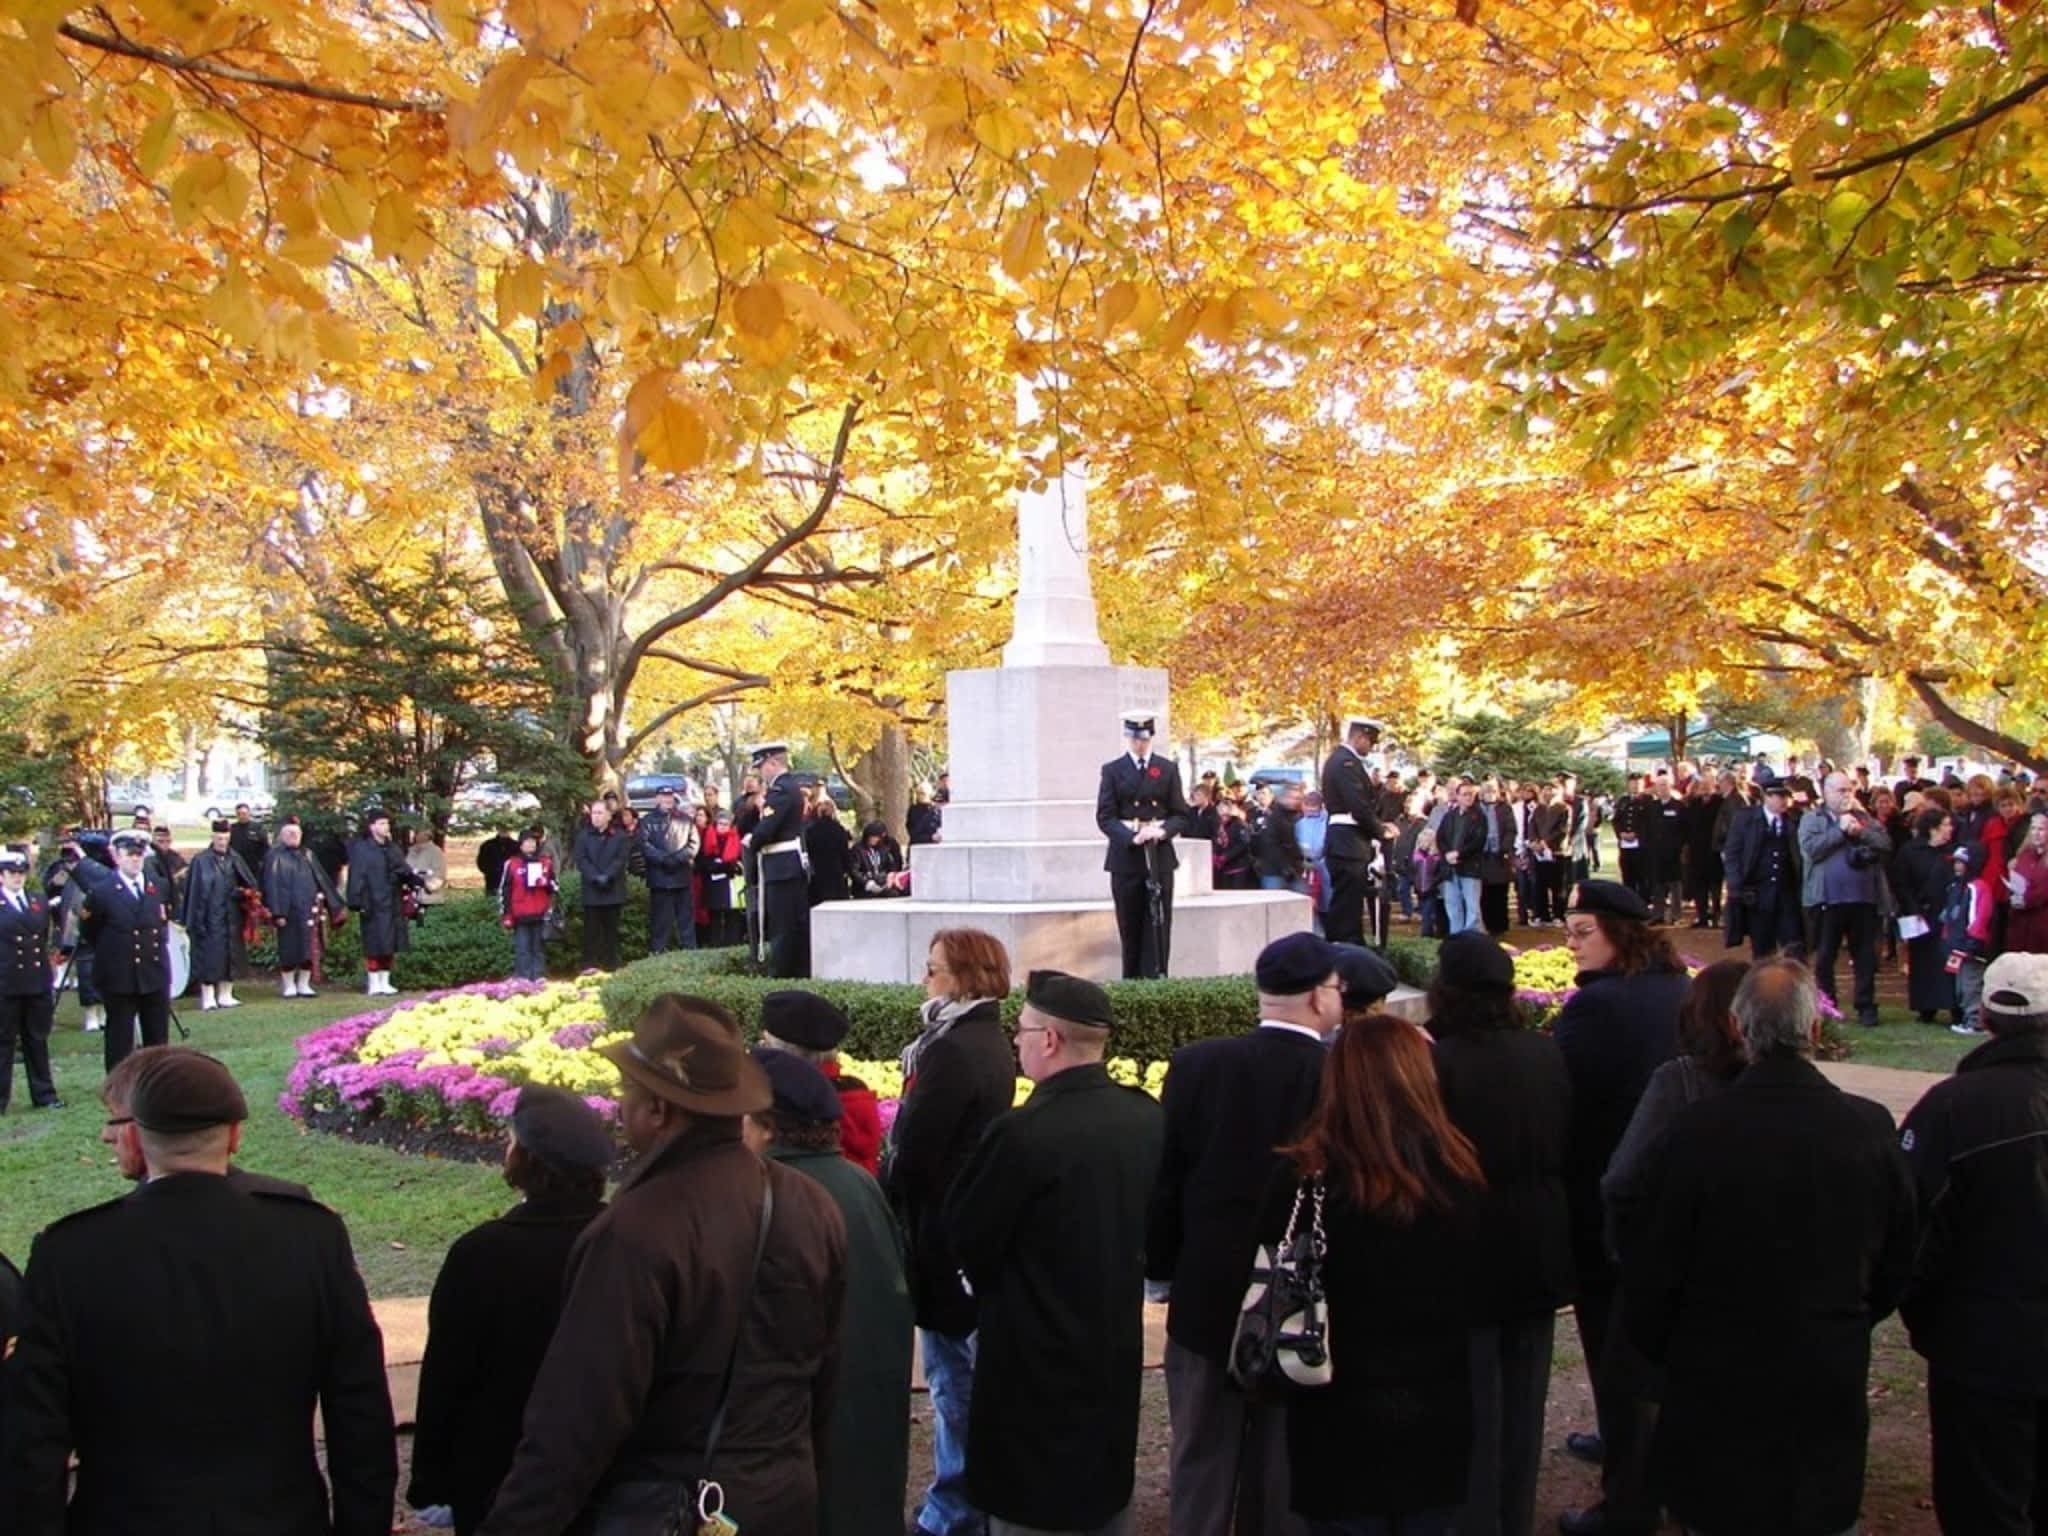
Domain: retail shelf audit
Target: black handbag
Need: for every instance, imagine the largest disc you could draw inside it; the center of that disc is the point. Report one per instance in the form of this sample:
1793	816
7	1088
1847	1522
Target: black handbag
1282	1340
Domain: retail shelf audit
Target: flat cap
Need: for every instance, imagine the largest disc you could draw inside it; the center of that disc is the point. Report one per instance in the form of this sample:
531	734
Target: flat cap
1475	962
1609	898
1368	979
2016	985
803	1018
1778	787
801	1091
559	1129
1297	963
181	1090
1069	998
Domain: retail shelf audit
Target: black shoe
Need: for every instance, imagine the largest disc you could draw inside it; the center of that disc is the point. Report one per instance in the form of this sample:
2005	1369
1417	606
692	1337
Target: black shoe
1586	1447
1596	1522
51	1104
1867	1020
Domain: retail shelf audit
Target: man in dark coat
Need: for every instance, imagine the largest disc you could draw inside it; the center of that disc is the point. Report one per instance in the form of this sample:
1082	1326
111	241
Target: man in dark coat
117	1089
1781	1232
493	854
377	878
1139	807
600	852
1230	1104
1765	872
777	843
211	911
128	921
496	1302
208	1424
1049	1223
246	838
1352	805
707	1268
1978	1305
26	1006
300	900
867	1464
668	848
1662	829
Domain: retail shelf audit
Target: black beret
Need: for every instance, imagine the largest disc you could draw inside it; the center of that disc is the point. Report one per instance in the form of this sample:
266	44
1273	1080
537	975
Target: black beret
1069	998
803	1018
802	1092
1476	962
1368	979
559	1129
1297	963
1610	898
223	825
179	1089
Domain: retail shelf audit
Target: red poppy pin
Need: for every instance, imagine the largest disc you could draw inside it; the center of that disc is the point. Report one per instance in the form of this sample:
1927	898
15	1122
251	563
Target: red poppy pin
1152	773
149	890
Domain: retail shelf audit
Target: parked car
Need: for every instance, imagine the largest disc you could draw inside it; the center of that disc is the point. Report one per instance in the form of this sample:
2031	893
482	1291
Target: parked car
486	798
261	802
1280	778
642	788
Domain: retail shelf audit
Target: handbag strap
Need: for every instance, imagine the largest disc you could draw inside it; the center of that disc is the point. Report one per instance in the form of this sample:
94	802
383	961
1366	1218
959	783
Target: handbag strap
732	1360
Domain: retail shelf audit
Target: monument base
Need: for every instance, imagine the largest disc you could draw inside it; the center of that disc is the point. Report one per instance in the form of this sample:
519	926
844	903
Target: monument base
888	940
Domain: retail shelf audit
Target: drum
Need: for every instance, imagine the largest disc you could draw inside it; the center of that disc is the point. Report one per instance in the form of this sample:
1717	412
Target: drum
178	956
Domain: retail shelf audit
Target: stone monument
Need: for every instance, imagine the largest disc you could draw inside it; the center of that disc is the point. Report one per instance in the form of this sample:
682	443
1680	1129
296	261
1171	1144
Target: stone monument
1021	856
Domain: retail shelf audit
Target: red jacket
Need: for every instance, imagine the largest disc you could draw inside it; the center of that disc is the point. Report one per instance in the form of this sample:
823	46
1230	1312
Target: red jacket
520	902
860	1119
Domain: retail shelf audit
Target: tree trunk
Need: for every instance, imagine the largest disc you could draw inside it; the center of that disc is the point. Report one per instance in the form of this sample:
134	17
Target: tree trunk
885	774
188	789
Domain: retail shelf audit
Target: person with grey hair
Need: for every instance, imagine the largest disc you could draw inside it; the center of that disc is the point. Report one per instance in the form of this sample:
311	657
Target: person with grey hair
1780	1233
1978	1304
1845	851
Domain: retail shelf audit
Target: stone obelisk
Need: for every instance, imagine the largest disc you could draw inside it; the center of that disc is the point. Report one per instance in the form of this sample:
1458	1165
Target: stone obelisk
1021	855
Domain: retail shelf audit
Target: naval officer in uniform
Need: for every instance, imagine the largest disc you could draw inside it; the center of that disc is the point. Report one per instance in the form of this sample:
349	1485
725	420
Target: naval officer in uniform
777	843
1141	810
25	1000
131	966
1353	807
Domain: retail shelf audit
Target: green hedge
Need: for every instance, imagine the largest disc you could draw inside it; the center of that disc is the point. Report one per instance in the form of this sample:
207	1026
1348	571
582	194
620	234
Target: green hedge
1154	1018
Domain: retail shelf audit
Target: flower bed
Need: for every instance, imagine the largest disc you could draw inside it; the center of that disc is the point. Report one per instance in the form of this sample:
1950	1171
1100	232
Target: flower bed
1546	977
454	1062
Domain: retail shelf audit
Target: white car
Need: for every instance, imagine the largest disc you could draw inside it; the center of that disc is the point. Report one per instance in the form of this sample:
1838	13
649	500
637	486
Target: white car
485	798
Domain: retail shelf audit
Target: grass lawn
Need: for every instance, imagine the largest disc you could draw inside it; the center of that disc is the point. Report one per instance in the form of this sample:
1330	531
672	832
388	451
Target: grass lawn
1902	1041
402	1211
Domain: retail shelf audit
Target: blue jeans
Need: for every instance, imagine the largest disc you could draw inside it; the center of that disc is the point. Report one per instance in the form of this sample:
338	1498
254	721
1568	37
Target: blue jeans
1461	903
530	952
1431	1522
949	1375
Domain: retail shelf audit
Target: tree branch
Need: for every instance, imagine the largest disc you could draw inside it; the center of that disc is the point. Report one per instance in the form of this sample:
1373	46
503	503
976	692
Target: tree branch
1973	731
184	64
695	701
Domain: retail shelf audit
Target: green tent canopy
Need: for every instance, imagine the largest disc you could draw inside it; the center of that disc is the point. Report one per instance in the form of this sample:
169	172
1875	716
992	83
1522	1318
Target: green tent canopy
1701	741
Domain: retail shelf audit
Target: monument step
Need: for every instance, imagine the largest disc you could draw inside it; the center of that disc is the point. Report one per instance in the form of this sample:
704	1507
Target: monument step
1062	869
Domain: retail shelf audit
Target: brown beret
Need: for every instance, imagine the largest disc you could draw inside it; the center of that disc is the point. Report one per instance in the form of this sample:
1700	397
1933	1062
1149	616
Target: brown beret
182	1090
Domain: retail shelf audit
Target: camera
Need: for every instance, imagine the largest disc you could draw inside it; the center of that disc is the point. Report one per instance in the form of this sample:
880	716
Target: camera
1864	858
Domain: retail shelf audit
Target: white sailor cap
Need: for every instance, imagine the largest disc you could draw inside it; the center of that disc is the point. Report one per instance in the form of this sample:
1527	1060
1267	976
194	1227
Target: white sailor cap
1139	725
758	755
1364	723
14	856
129	842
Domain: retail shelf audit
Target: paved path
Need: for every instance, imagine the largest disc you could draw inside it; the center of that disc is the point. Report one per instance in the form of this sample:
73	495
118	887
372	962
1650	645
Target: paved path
404	1318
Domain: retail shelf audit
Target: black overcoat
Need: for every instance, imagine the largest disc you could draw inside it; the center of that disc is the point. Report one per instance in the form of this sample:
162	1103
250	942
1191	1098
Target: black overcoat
210	913
964	1080
494	1309
298	896
1509	1092
1780	1231
1230	1105
1049	1222
375	876
204	1428
600	859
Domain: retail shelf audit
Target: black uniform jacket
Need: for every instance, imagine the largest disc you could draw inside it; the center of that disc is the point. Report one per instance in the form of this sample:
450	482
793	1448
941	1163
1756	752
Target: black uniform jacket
782	821
1348	791
24	947
1230	1104
1049	1223
1126	794
128	947
1780	1232
493	1312
373	893
1978	1145
178	1340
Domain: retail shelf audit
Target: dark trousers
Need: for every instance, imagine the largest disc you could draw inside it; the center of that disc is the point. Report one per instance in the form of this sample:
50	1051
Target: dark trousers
1532	895
1229	1457
786	918
1627	1388
1493	906
1593	1311
1855	921
126	1011
1350	883
1775	924
1635	871
1146	954
1990	1460
27	1019
1510	1383
601	938
671	920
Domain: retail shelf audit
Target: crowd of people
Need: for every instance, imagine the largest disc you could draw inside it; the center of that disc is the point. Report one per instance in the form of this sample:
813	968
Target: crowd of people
731	1333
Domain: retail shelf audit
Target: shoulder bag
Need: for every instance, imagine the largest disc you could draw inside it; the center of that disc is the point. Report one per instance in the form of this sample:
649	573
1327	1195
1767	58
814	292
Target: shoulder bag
1283	1332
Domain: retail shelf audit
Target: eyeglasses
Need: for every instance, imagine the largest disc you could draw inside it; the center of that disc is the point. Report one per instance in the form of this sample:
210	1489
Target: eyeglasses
1580	931
116	1121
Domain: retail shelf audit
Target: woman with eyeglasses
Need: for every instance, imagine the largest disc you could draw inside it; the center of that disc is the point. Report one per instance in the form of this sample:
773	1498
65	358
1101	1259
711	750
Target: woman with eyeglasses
1615	1031
958	1075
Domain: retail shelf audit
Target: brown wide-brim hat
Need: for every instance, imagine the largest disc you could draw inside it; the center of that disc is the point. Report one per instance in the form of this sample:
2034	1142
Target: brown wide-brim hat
687	1050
